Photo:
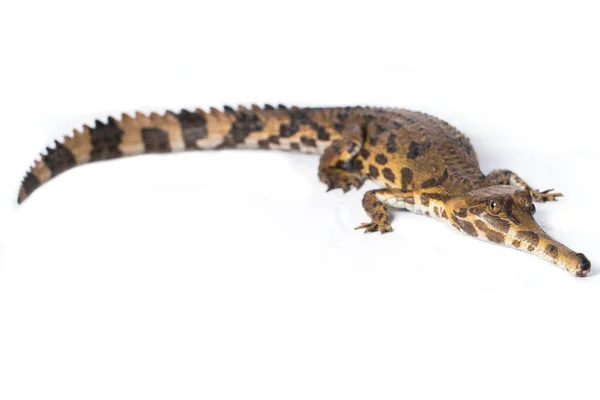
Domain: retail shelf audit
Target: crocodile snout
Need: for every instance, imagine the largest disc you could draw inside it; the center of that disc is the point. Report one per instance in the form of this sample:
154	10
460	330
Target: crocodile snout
584	265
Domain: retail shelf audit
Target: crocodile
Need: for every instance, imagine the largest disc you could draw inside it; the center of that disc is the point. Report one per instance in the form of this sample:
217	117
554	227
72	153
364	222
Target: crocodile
421	164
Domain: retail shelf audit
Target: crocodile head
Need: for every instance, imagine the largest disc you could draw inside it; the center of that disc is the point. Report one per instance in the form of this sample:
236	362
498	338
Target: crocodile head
504	214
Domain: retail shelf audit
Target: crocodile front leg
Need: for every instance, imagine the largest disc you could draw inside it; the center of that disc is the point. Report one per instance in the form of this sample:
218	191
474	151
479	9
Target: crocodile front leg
375	202
335	166
506	177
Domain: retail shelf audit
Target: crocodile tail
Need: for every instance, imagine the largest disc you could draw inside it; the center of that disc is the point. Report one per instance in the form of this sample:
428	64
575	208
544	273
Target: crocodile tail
304	130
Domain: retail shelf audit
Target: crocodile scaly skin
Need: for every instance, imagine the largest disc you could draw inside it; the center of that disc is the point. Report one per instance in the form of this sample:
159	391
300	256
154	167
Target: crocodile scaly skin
421	162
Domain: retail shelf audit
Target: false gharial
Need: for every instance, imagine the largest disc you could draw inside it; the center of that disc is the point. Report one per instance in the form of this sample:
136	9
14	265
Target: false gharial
422	164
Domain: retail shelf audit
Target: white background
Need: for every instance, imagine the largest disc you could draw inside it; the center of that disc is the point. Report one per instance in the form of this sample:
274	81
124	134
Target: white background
233	275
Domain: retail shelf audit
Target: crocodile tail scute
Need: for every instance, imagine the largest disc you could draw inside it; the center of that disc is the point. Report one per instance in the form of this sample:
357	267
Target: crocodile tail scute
304	130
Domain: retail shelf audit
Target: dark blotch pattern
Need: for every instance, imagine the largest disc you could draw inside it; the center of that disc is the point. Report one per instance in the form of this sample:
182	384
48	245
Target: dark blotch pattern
308	141
390	146
364	153
552	251
193	126
288	130
381	159
389	175
373	171
300	117
59	159
105	139
358	164
244	125
322	133
495	237
341	120
429	183
491	234
406	178
155	140
530	237
295	146
465	226
30	183
417	149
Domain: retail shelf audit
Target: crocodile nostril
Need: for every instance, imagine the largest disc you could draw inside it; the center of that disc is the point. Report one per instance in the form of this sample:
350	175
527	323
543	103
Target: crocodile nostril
584	265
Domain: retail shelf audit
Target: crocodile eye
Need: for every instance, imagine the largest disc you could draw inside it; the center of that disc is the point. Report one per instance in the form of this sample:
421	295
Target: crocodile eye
532	208
494	207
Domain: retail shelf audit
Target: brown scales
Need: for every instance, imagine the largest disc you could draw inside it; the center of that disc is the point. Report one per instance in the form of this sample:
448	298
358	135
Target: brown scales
423	164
